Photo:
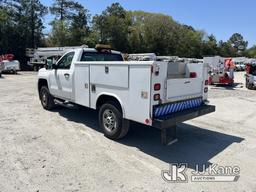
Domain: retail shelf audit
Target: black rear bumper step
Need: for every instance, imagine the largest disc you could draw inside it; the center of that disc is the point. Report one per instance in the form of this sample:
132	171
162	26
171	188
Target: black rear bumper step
171	120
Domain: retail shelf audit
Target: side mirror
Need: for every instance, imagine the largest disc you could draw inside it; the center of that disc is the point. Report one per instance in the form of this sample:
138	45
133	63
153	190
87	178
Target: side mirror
54	66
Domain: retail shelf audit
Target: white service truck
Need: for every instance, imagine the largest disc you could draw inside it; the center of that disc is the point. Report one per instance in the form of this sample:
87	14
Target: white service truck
158	94
39	57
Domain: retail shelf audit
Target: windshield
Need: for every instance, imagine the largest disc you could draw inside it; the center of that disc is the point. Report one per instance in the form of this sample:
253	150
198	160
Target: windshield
97	56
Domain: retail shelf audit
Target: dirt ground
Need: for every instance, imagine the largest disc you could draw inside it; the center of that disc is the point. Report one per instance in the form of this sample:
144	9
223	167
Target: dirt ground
65	150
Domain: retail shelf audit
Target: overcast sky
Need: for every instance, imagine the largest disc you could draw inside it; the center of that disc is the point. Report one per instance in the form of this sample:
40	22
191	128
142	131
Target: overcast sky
219	17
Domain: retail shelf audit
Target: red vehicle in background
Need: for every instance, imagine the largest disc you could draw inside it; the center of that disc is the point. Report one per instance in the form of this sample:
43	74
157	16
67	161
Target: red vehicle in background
221	70
8	57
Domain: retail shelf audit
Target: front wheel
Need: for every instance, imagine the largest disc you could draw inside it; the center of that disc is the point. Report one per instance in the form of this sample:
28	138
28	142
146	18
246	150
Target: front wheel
111	121
47	100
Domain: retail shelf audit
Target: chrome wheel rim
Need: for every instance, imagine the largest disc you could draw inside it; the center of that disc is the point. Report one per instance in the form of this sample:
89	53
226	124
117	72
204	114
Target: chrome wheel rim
44	97
109	120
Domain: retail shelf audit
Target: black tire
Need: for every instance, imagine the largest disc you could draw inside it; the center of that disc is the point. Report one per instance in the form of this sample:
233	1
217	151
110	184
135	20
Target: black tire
0	75
250	86
35	68
112	122
247	84
231	84
47	100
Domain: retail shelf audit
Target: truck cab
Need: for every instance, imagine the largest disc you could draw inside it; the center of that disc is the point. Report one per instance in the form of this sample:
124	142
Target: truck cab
60	75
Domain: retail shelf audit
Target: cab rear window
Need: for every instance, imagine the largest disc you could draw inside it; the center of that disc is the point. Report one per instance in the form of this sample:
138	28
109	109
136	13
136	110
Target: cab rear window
98	56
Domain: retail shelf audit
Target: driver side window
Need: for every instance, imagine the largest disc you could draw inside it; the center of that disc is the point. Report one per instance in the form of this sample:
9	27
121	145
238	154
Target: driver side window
66	61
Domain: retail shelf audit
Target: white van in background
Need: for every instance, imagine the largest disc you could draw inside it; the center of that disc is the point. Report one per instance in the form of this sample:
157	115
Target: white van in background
11	66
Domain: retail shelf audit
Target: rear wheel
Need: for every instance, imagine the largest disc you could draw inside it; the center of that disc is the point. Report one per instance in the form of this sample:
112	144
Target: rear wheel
111	121
47	100
249	85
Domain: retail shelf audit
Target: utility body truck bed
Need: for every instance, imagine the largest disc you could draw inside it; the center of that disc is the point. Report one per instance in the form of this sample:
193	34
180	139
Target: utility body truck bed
159	94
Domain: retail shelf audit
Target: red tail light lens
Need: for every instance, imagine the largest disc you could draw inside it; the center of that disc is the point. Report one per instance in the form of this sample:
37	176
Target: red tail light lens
157	86
206	82
156	97
193	75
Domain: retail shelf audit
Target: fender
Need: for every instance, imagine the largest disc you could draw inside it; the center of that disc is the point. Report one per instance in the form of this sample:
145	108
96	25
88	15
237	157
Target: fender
111	95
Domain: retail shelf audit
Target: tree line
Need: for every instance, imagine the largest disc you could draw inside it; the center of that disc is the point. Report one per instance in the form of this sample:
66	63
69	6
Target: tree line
22	26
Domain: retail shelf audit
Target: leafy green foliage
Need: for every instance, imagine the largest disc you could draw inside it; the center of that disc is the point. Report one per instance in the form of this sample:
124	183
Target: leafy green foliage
238	42
251	52
112	26
21	27
72	26
65	9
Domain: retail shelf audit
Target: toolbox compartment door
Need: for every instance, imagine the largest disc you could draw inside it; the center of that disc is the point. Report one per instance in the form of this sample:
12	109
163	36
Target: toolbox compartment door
110	75
180	88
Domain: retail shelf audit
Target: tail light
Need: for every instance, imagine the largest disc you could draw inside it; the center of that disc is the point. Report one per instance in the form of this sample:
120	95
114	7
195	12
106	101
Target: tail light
193	75
206	82
156	97
157	86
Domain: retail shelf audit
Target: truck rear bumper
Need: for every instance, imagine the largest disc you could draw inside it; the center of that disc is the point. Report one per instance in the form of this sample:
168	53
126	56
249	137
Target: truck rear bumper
171	120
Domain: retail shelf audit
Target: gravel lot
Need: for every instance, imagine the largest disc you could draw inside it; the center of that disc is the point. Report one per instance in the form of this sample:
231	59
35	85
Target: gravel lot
64	150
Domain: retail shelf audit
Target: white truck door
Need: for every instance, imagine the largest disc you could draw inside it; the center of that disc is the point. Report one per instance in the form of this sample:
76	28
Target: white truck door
61	79
82	84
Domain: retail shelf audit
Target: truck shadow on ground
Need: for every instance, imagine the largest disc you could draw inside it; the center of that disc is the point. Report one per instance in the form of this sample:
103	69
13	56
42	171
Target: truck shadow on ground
195	146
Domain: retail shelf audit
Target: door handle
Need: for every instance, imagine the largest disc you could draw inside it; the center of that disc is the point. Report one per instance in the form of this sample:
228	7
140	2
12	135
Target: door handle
66	75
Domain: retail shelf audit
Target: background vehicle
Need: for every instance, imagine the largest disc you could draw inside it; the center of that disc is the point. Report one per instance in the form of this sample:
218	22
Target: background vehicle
219	73
158	94
250	77
142	57
239	66
1	68
239	63
41	56
10	65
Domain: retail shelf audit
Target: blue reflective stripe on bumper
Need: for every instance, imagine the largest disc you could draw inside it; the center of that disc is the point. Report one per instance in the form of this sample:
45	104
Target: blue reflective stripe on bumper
166	109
